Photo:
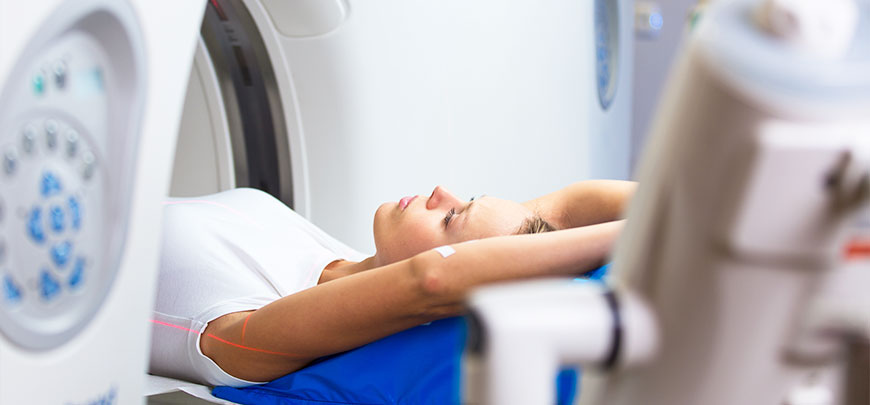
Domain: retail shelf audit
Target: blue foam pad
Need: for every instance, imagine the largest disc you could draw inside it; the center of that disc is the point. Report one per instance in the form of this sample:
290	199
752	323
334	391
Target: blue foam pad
417	366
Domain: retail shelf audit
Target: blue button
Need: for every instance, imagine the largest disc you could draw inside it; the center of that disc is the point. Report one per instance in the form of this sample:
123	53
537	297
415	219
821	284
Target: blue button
11	290
50	184
75	279
34	225
38	84
656	21
48	286
57	219
75	213
60	253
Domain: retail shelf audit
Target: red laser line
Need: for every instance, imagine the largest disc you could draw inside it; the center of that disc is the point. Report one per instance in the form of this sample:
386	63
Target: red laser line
245	326
220	10
253	349
174	326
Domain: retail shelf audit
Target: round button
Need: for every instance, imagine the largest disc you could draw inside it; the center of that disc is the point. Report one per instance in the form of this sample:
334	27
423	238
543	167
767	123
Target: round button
75	213
10	161
648	19
50	184
38	83
51	134
60	74
60	253
72	143
78	273
88	165
34	226
56	216
49	288
823	28
28	139
11	291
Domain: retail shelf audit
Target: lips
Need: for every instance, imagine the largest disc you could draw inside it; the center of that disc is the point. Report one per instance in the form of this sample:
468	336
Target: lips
403	203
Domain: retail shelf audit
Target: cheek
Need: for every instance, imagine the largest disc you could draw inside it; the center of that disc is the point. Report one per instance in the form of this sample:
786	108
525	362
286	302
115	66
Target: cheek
419	238
411	237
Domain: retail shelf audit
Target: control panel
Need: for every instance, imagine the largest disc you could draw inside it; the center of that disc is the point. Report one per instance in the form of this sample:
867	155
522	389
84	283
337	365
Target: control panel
68	129
606	50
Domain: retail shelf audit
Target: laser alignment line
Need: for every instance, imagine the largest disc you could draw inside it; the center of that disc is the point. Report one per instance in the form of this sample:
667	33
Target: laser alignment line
209	335
245	326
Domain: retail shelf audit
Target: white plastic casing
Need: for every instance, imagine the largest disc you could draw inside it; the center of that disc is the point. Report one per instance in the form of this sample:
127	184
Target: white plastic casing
105	361
739	221
529	330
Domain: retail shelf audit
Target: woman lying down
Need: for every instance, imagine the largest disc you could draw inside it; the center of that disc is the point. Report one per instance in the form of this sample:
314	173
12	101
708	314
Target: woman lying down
250	291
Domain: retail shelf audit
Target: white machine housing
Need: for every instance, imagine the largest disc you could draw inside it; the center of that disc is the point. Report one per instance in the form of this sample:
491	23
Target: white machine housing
749	192
115	113
70	112
337	106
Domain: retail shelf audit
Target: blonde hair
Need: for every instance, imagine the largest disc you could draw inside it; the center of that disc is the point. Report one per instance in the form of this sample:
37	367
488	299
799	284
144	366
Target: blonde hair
535	224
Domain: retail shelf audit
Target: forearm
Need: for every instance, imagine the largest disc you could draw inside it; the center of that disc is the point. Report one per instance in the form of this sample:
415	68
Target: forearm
561	253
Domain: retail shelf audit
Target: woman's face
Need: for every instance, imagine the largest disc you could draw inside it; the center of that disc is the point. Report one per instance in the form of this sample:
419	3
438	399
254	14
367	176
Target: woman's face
416	223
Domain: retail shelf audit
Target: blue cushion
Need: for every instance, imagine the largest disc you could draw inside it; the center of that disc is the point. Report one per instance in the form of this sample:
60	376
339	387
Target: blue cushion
416	366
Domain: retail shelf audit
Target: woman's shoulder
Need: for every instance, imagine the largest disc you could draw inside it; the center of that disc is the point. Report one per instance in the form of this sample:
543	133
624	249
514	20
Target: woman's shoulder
235	217
235	201
231	196
242	209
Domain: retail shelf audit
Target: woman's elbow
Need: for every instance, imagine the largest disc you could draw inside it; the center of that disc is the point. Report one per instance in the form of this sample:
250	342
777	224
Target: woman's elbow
427	275
438	297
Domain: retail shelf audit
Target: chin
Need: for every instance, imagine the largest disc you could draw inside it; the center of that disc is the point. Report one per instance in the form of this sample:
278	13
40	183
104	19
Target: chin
378	221
381	214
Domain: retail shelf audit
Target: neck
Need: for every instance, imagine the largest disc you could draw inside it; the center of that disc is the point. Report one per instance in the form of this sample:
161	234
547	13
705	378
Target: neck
343	268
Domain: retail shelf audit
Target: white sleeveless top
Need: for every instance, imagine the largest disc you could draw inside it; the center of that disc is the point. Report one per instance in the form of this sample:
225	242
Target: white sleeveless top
233	251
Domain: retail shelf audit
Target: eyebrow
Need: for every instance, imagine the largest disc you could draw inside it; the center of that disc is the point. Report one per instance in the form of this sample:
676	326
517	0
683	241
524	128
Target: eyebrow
467	209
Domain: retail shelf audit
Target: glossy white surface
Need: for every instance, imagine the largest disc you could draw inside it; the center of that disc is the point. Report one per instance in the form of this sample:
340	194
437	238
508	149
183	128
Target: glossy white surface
107	359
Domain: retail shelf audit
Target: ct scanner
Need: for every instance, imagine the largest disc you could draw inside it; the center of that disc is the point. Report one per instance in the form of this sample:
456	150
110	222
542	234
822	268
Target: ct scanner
332	106
336	106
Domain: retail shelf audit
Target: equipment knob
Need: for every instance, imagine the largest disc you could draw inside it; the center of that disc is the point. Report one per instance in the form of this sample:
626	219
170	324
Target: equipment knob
824	28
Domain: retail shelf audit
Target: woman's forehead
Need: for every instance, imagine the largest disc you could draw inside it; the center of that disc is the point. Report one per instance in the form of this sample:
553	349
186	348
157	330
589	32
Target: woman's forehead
491	216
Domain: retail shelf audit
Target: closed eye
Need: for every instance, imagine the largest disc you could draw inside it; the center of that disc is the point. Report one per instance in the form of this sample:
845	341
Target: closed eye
449	216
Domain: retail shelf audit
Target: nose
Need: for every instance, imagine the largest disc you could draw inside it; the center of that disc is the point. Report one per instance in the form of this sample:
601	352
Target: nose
442	198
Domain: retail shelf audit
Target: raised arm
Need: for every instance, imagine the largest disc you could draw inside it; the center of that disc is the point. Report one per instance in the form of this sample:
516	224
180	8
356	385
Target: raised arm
584	203
342	314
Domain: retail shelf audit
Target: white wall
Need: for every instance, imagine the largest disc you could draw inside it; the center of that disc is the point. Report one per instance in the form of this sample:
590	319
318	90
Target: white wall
652	62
